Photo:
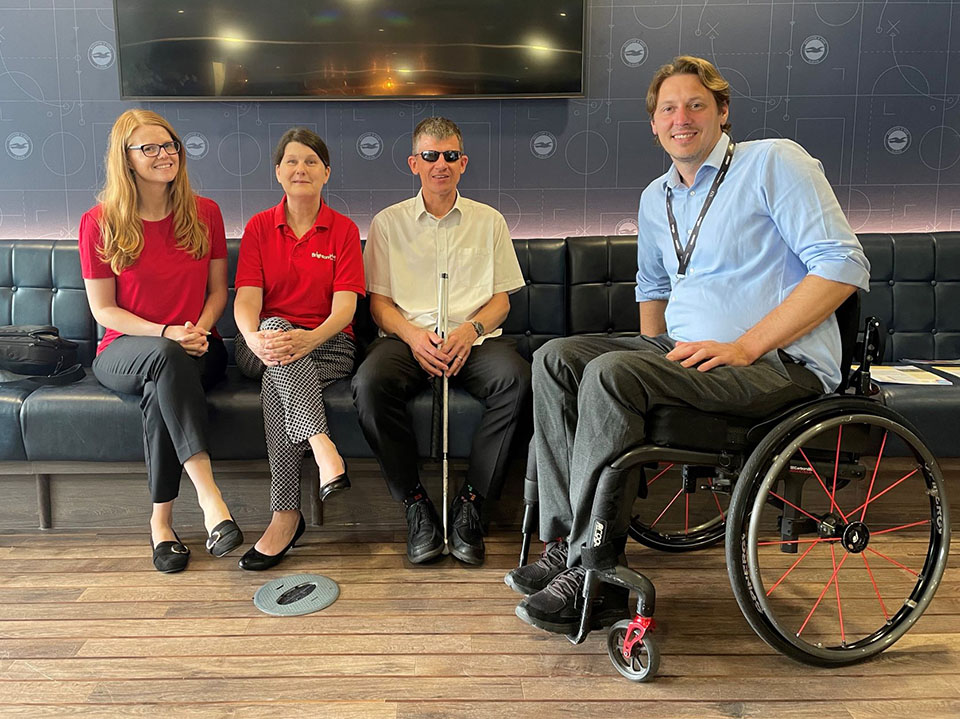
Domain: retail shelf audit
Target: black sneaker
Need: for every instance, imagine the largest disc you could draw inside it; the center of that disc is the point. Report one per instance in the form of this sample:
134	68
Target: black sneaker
424	533
531	578
557	608
466	536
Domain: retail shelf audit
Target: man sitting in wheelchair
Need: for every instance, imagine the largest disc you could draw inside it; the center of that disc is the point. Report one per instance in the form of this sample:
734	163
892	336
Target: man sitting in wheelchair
743	256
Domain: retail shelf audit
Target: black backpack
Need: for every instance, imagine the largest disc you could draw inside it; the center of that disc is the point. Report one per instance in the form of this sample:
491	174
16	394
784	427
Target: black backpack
37	355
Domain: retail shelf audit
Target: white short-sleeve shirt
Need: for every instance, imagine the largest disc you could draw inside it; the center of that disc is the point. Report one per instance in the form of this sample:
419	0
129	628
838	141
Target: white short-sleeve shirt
407	248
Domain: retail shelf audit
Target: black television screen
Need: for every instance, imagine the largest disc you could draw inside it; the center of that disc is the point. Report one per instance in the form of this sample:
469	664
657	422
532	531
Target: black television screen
349	49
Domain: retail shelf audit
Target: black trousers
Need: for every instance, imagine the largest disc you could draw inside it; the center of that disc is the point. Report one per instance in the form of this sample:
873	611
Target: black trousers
390	376
172	385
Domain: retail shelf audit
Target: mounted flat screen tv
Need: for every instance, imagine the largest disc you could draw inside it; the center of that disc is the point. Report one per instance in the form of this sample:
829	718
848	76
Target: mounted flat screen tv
349	49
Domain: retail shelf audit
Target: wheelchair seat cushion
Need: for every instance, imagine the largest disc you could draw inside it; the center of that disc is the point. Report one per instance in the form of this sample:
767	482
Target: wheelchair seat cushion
696	429
691	428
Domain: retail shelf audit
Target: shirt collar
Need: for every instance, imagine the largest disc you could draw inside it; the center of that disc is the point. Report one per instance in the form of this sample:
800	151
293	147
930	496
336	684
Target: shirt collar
714	160
420	209
323	221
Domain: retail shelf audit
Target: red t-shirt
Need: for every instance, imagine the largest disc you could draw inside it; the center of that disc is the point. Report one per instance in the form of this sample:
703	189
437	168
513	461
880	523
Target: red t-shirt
299	276
165	285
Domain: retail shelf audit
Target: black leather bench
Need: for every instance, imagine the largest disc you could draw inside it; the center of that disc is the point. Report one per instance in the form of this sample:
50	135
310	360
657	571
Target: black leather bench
85	422
581	285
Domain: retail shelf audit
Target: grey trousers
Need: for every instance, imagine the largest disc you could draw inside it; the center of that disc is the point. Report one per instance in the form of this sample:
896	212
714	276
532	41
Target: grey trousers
590	397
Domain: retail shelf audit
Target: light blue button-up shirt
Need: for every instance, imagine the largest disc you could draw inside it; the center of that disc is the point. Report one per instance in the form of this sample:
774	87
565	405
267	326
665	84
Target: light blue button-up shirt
775	219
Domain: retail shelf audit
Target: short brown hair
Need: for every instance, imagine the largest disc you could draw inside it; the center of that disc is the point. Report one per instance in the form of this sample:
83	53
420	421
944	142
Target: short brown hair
689	65
438	127
304	137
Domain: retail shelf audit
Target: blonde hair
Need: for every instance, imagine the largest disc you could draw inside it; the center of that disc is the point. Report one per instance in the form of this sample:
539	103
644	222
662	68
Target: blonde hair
120	225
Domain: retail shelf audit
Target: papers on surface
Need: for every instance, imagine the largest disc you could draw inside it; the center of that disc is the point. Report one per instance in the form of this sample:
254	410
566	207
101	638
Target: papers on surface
905	374
951	369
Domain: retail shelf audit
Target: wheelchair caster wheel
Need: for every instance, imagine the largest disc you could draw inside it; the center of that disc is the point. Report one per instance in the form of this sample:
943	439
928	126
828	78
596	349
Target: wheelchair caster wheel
644	659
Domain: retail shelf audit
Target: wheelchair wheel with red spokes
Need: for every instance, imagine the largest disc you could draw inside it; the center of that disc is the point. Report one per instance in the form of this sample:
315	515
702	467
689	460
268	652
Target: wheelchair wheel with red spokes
682	511
831	572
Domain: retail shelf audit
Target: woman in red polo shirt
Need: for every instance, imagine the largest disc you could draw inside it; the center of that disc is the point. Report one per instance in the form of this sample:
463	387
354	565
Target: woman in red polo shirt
153	258
298	277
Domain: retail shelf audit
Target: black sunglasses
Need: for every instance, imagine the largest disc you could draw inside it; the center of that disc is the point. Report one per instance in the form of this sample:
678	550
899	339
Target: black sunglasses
153	150
434	155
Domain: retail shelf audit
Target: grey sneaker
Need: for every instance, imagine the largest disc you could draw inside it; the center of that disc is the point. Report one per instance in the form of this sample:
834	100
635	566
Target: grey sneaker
557	608
531	578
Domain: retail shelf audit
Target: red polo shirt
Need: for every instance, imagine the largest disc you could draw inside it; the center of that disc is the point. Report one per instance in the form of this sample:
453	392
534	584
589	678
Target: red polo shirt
299	275
165	285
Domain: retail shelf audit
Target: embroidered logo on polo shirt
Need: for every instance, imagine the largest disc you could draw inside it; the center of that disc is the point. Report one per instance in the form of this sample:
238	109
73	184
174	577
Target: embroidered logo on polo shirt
320	256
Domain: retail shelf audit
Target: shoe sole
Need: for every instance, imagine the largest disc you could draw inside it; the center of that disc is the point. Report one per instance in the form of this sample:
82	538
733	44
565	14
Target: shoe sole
426	557
518	587
170	571
552	627
227	551
598	620
466	558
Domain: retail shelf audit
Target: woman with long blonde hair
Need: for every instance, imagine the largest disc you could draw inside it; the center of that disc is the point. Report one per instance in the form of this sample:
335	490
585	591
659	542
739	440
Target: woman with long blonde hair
154	261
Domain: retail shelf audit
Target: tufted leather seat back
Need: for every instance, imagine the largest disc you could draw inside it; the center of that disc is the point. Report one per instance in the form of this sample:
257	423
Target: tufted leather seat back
538	311
602	275
915	291
40	284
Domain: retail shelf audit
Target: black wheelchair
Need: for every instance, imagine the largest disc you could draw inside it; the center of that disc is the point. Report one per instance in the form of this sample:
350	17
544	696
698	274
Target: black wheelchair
834	513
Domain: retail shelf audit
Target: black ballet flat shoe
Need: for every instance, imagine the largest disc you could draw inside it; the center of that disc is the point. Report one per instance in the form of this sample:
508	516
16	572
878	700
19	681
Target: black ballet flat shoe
255	561
224	538
171	556
337	484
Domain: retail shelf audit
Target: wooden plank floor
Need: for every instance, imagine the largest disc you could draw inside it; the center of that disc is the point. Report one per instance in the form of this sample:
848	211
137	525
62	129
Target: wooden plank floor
88	628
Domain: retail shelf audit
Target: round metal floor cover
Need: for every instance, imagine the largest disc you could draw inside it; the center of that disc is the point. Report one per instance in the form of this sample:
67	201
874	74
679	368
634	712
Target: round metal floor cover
296	594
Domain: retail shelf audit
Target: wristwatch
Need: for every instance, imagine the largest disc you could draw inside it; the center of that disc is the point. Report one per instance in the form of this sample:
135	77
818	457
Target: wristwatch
477	327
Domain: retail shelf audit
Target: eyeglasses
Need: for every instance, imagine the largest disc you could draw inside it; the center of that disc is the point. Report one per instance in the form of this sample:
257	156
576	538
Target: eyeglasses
152	149
434	155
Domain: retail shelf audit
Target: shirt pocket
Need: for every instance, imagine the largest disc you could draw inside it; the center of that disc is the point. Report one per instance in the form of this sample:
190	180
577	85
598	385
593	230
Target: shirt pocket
472	267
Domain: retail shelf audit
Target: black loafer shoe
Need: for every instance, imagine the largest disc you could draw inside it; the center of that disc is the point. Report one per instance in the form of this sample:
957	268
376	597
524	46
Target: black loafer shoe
557	607
170	556
255	561
466	536
424	535
337	484
224	538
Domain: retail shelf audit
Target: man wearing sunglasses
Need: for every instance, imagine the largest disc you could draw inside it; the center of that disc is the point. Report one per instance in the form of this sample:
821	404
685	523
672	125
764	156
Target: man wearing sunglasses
408	246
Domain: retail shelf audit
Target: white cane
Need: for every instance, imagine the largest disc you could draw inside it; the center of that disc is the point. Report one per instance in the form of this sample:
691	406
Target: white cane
444	326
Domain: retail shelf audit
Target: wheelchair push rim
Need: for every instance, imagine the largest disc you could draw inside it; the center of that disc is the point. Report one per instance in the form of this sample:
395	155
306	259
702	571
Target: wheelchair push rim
874	551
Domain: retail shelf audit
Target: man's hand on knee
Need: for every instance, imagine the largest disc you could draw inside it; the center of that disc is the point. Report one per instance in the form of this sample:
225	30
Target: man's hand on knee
708	354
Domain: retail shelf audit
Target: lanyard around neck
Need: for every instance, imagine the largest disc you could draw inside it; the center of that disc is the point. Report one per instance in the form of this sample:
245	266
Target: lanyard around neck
684	253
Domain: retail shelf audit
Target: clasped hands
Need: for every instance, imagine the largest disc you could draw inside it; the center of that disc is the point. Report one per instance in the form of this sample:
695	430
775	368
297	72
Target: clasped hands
193	338
278	348
707	354
438	357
